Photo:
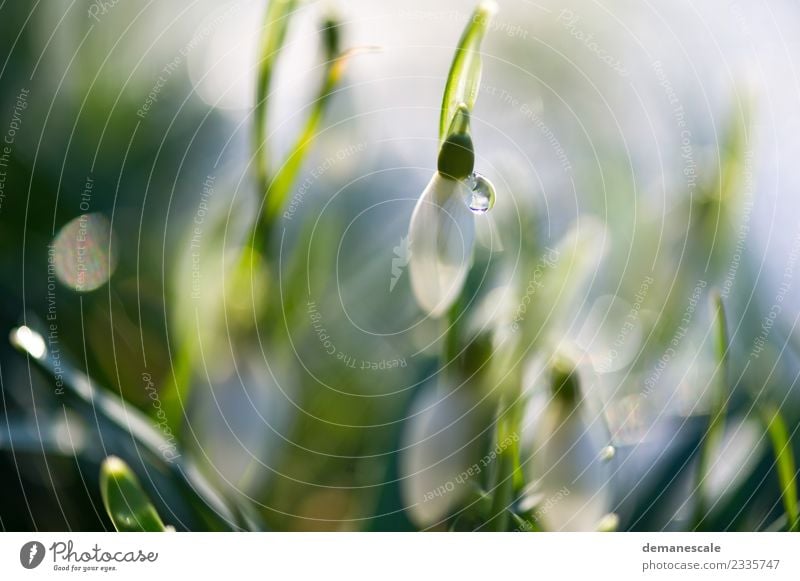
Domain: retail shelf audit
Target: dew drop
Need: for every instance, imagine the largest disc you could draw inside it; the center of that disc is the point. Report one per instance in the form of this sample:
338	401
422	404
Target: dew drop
607	453
481	196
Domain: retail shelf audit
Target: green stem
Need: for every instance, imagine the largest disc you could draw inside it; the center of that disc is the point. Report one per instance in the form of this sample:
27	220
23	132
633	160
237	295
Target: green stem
175	398
272	40
463	80
281	184
784	464
716	423
507	473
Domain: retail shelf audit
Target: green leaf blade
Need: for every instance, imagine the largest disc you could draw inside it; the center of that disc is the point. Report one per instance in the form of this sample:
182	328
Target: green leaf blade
285	176
100	404
784	464
719	406
273	38
126	503
464	78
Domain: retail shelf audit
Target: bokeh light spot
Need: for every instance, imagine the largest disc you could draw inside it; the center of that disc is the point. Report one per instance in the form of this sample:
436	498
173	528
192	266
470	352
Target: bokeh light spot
84	256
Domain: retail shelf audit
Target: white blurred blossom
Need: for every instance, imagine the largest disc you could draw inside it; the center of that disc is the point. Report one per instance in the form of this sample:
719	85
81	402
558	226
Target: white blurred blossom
441	237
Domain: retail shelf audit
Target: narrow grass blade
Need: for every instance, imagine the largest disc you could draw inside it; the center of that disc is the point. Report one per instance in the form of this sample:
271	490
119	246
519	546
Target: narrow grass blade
126	503
719	405
79	391
716	423
53	435
507	473
503	492
279	188
175	399
272	40
463	80
80	394
784	463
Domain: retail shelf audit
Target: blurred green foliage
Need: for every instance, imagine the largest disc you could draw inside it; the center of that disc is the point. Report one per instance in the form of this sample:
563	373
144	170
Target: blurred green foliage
261	398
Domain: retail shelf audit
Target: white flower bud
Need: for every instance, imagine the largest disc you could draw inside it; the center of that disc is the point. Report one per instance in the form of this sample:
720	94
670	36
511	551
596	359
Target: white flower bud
440	444
567	460
441	238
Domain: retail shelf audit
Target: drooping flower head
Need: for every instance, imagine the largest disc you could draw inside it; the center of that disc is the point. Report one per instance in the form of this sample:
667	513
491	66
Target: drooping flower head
569	461
442	231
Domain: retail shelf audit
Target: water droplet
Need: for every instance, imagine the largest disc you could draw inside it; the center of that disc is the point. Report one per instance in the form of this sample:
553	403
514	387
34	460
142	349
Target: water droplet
82	254
481	198
607	453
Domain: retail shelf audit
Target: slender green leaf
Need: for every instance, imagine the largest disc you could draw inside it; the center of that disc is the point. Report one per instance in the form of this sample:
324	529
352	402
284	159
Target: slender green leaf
507	470
716	423
272	40
463	81
54	433
79	393
280	187
127	504
176	396
719	403
784	463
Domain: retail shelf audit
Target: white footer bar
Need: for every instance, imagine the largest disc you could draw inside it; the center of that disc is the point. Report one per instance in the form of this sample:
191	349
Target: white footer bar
406	556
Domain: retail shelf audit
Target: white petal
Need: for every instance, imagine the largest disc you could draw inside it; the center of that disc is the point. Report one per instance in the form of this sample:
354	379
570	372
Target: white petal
441	237
734	460
439	444
572	478
488	232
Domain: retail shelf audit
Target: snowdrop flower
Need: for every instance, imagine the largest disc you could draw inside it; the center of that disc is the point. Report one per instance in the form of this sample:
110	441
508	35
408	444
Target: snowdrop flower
441	441
568	459
442	230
